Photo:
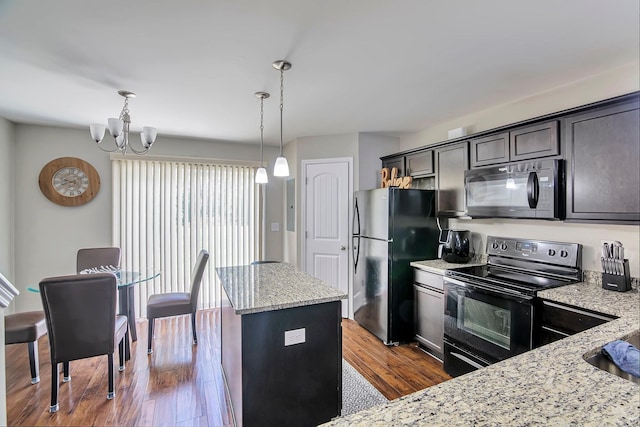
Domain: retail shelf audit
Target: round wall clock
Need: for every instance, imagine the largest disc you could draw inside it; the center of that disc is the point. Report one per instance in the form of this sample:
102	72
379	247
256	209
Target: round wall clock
69	181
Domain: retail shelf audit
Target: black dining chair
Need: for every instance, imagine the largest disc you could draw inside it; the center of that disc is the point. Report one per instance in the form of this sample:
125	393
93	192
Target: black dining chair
178	303
88	258
81	319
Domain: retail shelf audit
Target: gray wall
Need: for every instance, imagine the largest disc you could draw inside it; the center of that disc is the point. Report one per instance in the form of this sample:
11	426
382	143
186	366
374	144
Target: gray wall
6	239
47	236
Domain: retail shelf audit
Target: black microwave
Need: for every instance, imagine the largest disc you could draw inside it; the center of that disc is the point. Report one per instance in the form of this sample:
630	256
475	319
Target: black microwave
533	189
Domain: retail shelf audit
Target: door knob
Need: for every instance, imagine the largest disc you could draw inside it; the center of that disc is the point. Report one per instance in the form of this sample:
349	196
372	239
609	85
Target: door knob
343	248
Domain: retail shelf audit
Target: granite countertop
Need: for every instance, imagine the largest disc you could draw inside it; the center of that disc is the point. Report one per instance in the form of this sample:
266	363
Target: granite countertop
438	266
551	385
273	286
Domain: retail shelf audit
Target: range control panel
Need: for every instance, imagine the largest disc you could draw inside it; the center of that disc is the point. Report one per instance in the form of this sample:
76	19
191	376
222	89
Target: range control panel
559	253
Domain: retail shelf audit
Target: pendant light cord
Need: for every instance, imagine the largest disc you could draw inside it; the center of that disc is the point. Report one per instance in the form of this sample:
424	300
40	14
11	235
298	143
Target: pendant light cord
281	104
261	129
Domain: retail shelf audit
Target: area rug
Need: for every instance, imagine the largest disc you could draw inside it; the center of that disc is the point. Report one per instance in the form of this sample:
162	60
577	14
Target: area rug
357	392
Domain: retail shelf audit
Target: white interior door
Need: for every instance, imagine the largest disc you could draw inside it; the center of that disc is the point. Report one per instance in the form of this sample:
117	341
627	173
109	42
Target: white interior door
327	195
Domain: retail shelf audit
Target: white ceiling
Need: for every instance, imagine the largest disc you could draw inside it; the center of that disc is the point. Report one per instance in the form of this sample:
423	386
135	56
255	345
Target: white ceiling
358	65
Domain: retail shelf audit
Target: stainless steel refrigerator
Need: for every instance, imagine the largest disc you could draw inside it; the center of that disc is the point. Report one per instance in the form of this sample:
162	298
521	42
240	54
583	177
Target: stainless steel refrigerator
391	228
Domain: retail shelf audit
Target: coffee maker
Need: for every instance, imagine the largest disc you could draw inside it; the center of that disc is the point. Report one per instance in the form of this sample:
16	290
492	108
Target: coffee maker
455	246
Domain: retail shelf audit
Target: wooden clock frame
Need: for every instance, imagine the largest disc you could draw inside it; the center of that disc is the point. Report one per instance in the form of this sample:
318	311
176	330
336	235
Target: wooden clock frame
49	170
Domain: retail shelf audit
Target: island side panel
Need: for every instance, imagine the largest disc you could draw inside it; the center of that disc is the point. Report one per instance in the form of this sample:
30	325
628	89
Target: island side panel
231	337
298	384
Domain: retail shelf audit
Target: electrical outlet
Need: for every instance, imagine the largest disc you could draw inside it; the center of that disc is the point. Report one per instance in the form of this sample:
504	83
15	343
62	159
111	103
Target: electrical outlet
294	336
275	226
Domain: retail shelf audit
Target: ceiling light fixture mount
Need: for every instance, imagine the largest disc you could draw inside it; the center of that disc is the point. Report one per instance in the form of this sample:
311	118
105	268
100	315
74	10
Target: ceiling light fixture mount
119	130
281	168
261	173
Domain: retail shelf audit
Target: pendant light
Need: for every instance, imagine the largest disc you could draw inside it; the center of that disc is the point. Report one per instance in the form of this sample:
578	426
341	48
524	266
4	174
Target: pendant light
261	173
281	167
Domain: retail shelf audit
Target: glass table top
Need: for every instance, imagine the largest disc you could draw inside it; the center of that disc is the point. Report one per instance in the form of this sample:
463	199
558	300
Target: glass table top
125	278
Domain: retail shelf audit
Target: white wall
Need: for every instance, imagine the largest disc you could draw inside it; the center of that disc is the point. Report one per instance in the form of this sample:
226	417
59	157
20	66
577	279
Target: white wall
370	148
616	82
6	239
307	148
47	236
613	83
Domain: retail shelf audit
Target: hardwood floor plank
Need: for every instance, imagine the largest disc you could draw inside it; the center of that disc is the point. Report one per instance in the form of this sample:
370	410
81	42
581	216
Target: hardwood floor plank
182	384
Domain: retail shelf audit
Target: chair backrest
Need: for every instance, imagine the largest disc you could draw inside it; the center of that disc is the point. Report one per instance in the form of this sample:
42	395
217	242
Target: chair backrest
196	277
97	257
81	314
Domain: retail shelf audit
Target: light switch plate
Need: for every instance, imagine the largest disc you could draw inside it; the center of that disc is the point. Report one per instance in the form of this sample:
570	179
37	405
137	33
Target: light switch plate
294	336
275	226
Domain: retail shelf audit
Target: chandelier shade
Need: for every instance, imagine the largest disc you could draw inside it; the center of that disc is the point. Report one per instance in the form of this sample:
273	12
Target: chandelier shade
119	130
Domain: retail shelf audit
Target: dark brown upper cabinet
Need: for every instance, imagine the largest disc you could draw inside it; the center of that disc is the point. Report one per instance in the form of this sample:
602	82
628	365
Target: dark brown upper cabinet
602	149
451	162
420	164
533	142
490	150
394	162
529	142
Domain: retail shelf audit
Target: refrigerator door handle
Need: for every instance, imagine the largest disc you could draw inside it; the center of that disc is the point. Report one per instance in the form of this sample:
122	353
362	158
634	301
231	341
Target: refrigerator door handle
355	247
356	218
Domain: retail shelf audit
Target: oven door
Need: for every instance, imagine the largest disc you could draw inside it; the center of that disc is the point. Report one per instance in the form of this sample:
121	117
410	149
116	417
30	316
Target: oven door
493	322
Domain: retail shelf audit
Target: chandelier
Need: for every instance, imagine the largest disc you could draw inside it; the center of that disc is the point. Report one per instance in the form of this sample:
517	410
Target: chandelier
119	130
281	168
261	173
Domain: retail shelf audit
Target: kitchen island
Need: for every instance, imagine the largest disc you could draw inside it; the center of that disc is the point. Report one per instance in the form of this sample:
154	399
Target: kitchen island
281	345
550	385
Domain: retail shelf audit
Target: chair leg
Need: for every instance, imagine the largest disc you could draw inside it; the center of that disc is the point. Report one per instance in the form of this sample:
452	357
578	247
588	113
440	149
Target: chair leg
121	353
55	372
111	394
66	375
193	328
33	361
150	337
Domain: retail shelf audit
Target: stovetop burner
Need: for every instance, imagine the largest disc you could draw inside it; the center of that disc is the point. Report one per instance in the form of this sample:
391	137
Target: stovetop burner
528	283
526	266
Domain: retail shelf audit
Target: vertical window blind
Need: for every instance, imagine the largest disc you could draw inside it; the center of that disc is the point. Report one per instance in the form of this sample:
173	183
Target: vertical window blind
165	212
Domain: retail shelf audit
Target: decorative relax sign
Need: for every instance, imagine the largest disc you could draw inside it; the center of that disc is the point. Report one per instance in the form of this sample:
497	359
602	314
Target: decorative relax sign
394	180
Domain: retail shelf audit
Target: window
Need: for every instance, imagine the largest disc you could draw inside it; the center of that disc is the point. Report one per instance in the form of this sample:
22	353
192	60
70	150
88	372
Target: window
165	212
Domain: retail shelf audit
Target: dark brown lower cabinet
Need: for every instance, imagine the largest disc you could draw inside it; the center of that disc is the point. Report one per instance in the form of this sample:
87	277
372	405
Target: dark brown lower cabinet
602	148
274	384
558	321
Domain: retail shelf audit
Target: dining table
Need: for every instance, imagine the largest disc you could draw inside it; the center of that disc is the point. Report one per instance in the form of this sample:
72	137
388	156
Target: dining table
126	281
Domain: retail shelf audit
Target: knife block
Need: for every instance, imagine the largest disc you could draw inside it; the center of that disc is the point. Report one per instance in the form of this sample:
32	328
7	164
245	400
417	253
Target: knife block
616	282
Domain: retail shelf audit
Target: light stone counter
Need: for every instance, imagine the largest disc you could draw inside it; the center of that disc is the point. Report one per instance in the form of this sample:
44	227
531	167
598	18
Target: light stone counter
438	266
273	286
551	385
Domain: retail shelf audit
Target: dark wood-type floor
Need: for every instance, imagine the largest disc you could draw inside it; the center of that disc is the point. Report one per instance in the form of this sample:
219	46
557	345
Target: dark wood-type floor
181	384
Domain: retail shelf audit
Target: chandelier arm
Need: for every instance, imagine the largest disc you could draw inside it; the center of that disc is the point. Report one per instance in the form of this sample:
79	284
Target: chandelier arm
99	145
144	151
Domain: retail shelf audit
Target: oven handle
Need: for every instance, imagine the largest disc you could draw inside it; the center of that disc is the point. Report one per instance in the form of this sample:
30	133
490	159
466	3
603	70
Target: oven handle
487	288
466	360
